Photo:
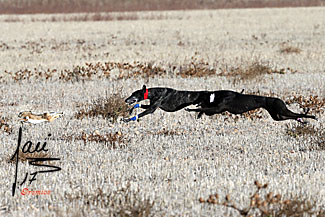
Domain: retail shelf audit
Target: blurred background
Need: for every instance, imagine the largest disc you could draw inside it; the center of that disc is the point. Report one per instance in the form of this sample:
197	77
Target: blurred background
76	6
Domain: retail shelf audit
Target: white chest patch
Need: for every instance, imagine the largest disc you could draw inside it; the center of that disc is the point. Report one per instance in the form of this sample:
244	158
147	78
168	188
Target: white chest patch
212	97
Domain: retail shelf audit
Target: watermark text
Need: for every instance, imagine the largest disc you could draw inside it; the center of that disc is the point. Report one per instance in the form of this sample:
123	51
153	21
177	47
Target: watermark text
26	191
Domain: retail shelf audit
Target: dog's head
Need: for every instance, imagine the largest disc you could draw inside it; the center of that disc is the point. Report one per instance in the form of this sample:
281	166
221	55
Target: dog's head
24	114
138	95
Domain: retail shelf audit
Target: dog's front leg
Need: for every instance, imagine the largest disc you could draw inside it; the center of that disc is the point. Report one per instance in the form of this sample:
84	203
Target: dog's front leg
138	106
134	107
150	109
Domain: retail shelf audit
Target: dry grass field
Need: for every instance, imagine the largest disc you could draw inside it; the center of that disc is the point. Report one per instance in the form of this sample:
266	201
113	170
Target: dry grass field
165	164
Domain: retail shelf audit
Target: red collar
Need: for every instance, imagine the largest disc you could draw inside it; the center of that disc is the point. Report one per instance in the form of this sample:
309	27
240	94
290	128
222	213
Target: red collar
145	96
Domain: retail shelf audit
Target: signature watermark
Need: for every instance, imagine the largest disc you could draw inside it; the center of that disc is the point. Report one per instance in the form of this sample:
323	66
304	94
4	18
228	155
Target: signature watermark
26	191
28	147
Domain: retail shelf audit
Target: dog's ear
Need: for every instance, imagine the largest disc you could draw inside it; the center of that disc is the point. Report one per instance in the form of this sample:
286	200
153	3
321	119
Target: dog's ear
144	87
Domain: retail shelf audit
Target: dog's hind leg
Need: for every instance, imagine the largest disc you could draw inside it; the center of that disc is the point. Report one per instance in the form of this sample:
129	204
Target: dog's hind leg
279	111
199	115
215	110
207	111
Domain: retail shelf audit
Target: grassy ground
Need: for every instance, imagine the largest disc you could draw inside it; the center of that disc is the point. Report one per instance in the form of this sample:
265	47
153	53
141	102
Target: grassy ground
166	162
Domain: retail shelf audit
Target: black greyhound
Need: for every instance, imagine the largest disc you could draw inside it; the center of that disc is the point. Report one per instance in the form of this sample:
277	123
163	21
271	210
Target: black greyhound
237	103
169	100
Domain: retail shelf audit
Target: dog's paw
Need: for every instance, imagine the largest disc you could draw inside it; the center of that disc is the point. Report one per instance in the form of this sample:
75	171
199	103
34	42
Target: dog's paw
126	120
300	120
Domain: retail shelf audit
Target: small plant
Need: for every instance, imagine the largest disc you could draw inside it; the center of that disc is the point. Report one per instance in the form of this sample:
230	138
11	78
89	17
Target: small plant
27	74
268	204
123	202
5	126
88	72
287	49
113	140
253	114
316	135
313	103
301	130
253	71
109	108
196	68
137	69
167	132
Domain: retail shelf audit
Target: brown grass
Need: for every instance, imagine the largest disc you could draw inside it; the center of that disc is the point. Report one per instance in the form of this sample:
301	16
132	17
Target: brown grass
137	69
196	68
68	6
167	132
315	135
313	103
268	204
288	49
92	71
123	202
111	140
29	75
110	107
301	130
87	72
254	71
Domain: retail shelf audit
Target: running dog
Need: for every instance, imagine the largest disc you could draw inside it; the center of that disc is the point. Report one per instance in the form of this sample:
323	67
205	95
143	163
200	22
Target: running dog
167	99
237	103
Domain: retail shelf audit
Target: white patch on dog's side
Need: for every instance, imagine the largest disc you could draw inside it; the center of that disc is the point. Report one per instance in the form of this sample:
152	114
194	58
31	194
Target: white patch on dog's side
212	97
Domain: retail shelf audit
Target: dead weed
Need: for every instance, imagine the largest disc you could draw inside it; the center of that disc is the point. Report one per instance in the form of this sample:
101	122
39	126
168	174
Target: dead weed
251	72
111	140
313	103
110	107
268	204
288	49
316	135
196	68
123	202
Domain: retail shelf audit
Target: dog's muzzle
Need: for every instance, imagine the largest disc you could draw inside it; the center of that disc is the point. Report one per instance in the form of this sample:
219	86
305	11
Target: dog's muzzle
131	100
